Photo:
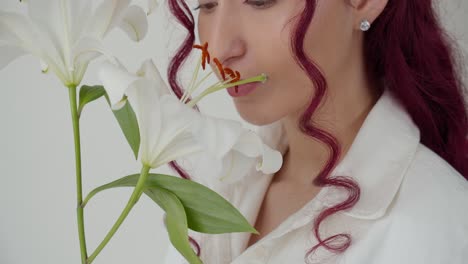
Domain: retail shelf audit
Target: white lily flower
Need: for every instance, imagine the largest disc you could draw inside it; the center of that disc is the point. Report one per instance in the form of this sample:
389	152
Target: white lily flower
66	34
164	123
171	129
239	149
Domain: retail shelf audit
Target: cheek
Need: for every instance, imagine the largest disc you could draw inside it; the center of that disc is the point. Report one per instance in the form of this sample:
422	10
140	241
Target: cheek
283	99
287	91
328	38
291	88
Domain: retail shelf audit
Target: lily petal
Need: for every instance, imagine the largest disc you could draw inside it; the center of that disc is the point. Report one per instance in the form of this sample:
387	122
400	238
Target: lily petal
271	160
230	151
66	34
87	49
134	23
14	28
251	145
249	150
82	12
176	139
9	54
152	5
53	18
116	80
165	123
149	71
60	17
107	16
235	166
218	136
145	102
212	172
17	30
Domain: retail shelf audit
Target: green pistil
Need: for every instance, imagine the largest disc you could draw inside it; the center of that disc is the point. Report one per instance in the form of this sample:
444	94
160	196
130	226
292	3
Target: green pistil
196	87
217	87
192	82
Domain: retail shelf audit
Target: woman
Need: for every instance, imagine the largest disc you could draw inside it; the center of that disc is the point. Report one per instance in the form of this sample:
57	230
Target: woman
364	101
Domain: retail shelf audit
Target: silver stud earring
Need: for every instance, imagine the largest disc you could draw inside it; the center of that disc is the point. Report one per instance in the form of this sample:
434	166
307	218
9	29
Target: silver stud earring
365	25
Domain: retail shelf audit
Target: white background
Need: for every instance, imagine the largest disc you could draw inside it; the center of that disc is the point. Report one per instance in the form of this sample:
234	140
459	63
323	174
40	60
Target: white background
37	189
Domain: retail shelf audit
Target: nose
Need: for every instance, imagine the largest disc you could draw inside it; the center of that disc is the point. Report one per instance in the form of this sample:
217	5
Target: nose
225	38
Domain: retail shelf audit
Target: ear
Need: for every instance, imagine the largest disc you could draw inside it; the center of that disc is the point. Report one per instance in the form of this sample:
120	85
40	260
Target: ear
367	9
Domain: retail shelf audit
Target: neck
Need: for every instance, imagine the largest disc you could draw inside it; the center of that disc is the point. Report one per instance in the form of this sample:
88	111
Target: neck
349	99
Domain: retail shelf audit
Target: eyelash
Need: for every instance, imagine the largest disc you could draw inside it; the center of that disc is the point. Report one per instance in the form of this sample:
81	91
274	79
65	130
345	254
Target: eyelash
266	4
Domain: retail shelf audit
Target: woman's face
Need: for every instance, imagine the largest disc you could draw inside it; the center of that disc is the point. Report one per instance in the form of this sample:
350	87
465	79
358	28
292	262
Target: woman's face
254	37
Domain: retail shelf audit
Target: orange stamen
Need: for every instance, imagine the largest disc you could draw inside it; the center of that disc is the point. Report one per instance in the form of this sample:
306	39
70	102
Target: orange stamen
235	75
229	71
236	88
220	68
205	53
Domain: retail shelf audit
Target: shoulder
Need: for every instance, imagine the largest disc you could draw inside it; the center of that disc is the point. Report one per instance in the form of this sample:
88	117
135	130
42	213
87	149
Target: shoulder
429	216
432	180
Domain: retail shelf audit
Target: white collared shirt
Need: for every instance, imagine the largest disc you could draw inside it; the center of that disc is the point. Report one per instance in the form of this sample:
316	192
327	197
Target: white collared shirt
413	207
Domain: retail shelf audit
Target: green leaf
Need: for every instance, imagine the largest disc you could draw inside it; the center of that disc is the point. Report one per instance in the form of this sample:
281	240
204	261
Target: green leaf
207	211
128	123
125	116
89	94
176	222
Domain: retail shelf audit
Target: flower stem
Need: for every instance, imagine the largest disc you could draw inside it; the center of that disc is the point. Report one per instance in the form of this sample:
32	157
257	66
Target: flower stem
131	202
79	192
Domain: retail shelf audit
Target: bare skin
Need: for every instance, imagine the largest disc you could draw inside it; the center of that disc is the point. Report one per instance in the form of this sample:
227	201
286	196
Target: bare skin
282	199
253	37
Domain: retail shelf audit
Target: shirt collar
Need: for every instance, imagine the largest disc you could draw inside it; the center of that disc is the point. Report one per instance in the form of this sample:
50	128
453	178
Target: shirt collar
377	159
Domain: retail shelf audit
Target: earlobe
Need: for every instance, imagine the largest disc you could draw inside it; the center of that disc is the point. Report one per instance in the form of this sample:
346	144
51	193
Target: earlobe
367	11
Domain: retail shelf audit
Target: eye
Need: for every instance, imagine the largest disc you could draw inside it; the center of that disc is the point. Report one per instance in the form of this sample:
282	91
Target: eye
260	4
207	6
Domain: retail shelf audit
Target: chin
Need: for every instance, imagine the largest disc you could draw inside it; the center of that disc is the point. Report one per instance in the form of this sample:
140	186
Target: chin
255	116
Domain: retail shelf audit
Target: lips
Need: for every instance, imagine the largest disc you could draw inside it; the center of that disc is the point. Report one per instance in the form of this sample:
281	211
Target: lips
242	90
